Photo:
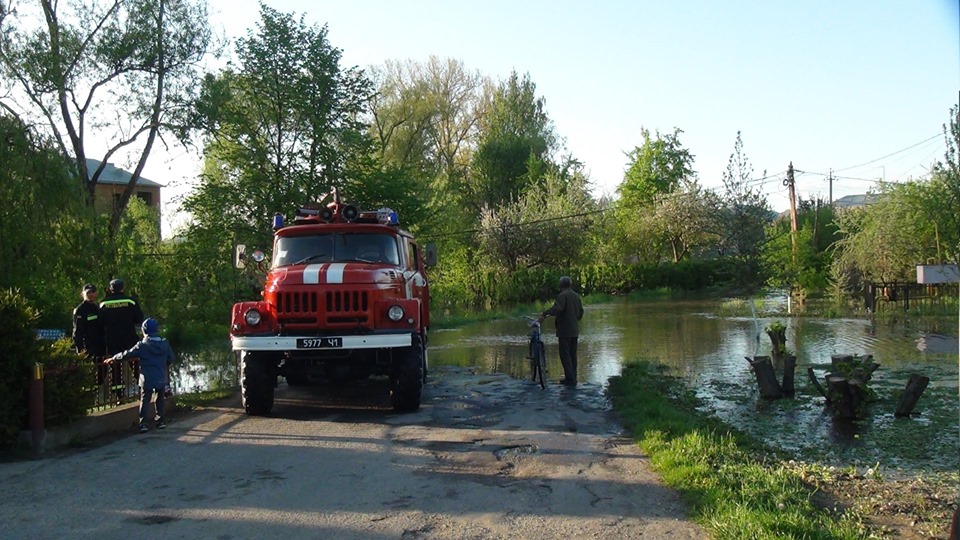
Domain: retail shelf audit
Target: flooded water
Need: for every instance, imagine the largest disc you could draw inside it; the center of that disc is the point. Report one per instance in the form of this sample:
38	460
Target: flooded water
708	351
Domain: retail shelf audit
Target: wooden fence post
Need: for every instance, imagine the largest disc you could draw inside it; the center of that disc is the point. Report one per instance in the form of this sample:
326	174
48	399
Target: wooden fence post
35	407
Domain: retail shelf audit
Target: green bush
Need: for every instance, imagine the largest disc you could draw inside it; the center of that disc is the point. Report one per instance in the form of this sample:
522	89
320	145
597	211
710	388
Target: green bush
68	383
490	289
19	350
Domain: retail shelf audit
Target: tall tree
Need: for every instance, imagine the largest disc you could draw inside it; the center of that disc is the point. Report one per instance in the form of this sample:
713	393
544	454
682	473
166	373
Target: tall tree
685	219
424	123
659	166
120	72
45	230
515	145
284	127
887	239
946	175
745	213
543	227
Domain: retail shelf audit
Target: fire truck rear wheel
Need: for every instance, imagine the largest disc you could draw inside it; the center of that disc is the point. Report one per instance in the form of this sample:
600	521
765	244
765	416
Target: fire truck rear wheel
406	380
257	382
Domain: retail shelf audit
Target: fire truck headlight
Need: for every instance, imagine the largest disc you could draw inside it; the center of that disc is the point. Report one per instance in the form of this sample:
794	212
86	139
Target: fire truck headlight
252	317
395	313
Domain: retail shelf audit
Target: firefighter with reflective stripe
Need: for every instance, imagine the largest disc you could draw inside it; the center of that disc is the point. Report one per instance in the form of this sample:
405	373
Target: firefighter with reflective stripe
121	317
87	326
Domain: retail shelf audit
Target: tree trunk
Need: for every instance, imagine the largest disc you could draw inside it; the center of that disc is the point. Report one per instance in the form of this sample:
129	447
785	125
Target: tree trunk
911	394
836	360
817	385
844	398
789	367
766	378
778	340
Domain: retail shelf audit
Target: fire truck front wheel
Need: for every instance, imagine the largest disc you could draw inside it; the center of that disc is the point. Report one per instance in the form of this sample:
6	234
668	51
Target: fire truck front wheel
406	378
257	381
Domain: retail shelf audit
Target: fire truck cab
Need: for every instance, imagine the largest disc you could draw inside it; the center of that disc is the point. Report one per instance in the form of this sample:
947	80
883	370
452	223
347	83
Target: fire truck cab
345	297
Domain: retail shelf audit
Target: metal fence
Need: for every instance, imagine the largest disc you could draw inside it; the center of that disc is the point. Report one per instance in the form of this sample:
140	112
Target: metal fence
905	295
115	384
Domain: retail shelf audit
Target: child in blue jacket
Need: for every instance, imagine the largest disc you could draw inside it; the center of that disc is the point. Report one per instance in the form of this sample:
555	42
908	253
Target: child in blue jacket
155	357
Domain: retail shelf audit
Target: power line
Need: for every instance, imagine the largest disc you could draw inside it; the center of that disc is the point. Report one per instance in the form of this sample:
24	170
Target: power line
928	139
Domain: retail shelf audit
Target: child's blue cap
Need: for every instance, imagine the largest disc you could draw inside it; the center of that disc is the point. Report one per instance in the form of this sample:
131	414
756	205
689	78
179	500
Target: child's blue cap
150	327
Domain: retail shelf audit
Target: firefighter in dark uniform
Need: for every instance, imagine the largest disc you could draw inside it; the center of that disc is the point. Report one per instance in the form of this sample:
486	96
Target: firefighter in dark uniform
87	326
121	316
88	330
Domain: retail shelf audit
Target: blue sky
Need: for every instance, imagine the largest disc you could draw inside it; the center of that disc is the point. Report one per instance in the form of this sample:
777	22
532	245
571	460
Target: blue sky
824	84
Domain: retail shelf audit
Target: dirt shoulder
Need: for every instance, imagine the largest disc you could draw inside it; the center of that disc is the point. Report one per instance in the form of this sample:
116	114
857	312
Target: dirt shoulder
486	457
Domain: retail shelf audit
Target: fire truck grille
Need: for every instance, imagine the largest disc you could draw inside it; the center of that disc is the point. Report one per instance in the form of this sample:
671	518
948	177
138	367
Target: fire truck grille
297	302
347	302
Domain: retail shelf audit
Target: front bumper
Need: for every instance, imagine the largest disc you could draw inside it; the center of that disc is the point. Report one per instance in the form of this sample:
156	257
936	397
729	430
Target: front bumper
289	343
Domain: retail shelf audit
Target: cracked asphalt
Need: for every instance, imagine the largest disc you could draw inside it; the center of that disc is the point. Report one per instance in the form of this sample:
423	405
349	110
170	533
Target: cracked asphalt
486	456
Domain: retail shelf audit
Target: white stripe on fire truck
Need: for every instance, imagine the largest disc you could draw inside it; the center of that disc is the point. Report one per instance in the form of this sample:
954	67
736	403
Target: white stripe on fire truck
311	274
335	273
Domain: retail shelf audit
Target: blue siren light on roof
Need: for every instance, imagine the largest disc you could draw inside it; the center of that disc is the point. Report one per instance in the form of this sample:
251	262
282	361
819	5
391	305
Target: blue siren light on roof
277	221
387	216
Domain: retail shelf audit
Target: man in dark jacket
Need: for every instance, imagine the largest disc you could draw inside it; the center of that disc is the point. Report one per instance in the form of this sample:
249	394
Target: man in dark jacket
87	326
155	357
568	310
121	315
88	332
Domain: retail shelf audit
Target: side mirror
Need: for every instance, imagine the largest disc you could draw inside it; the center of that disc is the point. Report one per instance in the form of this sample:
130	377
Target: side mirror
258	256
430	255
240	256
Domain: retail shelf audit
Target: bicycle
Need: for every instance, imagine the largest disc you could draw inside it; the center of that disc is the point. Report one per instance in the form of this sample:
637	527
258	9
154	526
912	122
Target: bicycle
537	354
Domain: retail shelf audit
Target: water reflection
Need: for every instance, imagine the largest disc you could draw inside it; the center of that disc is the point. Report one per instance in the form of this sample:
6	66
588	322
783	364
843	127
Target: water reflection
709	352
208	368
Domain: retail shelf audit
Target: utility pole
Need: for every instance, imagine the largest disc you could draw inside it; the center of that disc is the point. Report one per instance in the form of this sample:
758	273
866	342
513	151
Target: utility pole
791	186
830	179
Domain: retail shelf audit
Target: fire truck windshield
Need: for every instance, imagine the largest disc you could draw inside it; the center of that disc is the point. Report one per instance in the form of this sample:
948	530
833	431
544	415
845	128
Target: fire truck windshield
373	248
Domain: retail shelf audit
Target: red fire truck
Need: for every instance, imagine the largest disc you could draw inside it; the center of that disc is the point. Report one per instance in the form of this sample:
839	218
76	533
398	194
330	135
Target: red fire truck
345	297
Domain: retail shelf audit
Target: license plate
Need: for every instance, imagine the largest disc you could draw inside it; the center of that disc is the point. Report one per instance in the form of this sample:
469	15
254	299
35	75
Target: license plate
320	343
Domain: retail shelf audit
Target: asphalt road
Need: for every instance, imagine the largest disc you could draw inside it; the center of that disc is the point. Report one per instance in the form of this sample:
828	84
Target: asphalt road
486	457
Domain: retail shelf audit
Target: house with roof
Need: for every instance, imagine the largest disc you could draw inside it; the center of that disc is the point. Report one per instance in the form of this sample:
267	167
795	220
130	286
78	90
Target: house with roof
856	201
113	180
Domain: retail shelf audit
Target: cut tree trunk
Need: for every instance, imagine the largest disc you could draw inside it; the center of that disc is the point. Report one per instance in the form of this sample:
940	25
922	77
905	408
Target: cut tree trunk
766	378
911	394
817	385
778	341
836	360
789	367
844	397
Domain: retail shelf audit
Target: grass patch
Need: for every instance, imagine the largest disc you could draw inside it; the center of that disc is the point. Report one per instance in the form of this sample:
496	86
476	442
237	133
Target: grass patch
460	318
198	399
736	488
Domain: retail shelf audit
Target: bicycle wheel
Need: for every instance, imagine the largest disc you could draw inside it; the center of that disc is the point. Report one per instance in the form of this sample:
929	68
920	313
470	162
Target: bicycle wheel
542	366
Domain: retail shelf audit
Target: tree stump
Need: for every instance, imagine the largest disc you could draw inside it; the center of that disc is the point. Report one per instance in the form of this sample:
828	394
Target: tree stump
911	394
778	342
844	397
837	360
817	385
789	367
766	378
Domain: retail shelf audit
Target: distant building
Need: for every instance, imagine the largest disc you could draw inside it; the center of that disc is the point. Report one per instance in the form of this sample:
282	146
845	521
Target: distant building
854	201
113	180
